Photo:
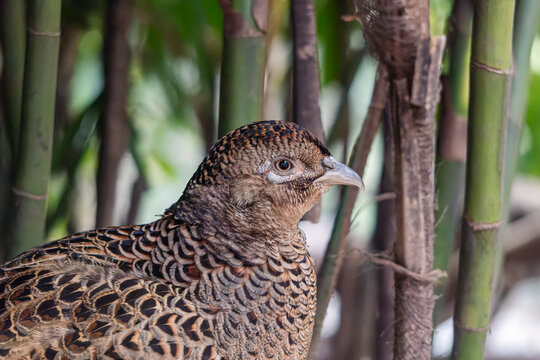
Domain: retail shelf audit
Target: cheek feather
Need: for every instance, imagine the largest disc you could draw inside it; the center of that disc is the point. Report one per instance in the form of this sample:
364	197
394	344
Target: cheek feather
276	179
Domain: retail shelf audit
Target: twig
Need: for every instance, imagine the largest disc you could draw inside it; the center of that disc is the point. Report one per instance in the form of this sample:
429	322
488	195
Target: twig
382	259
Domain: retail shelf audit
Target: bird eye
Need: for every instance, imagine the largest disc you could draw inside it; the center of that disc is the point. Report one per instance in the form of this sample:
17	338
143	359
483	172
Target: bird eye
283	165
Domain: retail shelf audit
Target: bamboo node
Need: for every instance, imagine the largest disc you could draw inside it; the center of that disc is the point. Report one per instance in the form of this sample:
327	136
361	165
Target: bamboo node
482	226
237	26
432	277
28	195
33	31
479	329
492	69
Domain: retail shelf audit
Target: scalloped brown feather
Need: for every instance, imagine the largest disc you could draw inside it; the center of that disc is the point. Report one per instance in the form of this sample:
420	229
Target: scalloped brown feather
202	282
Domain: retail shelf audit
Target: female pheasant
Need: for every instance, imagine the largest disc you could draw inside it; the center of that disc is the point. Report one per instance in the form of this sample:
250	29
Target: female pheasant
223	274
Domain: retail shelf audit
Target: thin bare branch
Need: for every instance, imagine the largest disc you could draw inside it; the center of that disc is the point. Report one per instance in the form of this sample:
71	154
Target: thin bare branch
334	253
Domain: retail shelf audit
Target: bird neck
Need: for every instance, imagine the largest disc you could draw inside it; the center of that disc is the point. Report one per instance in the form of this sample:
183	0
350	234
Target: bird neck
252	233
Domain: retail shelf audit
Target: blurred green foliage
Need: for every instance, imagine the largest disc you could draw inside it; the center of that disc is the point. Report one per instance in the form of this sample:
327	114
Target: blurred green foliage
176	51
530	140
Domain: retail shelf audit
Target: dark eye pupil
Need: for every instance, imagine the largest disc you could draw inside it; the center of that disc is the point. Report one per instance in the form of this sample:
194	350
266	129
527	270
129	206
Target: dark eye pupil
284	165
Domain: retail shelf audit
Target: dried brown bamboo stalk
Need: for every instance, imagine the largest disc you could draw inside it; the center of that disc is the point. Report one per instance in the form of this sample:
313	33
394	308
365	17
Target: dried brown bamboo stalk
305	77
113	126
414	136
398	34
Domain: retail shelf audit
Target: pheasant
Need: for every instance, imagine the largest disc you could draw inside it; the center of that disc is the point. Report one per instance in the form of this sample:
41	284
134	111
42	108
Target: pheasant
223	274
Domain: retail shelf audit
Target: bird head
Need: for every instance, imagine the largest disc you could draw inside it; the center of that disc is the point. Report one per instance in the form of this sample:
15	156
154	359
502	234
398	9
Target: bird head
268	169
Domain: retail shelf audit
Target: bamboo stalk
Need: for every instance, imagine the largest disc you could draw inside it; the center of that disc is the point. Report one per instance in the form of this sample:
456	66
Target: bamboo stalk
5	184
13	37
399	34
452	141
243	61
35	145
305	84
491	68
527	18
414	158
113	125
306	111
13	22
326	277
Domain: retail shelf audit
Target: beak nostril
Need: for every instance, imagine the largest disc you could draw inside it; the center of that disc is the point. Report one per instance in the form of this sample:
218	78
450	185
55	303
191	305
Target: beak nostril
329	163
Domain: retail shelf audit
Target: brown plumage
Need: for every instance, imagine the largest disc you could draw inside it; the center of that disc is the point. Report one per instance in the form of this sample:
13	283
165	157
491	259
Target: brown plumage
223	274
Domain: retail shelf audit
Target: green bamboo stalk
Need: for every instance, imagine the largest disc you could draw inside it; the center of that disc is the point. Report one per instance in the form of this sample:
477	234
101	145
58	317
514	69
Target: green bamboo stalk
450	178
491	67
13	48
37	121
13	38
243	62
526	22
527	19
5	184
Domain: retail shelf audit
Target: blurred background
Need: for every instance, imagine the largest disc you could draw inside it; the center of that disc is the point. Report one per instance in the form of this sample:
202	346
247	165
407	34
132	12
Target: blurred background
173	67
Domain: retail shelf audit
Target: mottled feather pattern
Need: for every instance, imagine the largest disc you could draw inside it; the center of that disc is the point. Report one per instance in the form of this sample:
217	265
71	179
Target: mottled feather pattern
223	274
156	285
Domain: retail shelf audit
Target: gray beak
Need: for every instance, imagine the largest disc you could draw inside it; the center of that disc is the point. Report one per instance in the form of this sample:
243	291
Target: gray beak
339	174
